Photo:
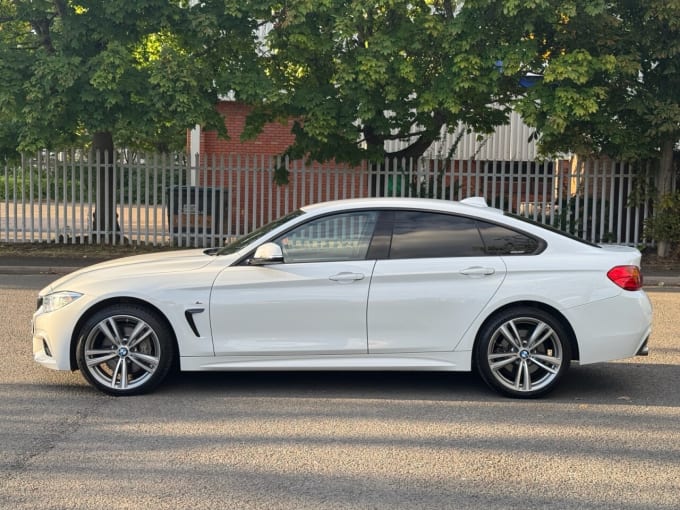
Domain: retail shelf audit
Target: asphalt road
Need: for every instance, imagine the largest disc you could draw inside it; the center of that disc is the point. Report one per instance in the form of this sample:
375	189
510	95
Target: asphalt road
609	437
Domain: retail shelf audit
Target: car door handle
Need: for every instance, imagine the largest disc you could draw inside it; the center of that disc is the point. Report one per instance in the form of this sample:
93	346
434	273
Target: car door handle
346	277
478	271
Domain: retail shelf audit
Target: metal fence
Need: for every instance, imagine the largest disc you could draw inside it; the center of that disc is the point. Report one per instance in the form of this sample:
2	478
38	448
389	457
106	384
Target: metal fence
166	199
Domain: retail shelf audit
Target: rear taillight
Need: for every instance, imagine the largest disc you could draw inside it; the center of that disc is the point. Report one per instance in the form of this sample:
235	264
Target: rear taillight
626	277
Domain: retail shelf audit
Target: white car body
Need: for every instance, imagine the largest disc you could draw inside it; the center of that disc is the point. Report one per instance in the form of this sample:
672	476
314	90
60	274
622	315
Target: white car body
367	314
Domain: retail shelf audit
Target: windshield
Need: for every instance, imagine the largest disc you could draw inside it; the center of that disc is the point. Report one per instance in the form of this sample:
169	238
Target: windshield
256	234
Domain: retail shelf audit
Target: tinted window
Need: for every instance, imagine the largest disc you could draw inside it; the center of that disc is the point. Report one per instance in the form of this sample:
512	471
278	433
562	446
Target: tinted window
253	236
553	230
419	234
504	241
331	238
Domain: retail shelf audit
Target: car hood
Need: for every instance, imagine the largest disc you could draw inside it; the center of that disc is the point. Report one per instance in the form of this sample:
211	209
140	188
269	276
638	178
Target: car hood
140	265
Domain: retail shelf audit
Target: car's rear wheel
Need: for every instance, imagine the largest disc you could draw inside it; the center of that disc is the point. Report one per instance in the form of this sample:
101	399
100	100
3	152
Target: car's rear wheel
125	350
523	352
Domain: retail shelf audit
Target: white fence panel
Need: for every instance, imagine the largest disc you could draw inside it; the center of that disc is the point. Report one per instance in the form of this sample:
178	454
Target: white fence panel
164	199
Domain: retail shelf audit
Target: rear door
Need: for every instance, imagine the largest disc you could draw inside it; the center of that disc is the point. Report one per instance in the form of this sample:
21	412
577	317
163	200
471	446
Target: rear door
436	280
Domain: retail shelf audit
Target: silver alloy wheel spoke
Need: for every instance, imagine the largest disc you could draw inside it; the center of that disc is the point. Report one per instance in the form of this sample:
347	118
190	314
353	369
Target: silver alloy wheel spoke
143	361
541	329
116	371
116	332
507	358
98	356
552	366
511	336
104	328
135	337
521	373
123	373
526	374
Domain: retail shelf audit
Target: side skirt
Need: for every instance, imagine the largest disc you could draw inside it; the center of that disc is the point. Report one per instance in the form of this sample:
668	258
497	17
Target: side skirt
431	361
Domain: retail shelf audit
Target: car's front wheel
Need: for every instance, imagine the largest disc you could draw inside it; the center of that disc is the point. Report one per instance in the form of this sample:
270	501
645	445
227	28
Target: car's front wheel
523	352
125	350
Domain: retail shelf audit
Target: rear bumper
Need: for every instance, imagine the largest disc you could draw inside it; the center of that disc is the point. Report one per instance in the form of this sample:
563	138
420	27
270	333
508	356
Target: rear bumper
644	349
612	329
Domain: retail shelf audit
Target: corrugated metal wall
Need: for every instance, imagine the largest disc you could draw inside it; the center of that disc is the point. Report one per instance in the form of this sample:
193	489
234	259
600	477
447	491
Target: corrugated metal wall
512	142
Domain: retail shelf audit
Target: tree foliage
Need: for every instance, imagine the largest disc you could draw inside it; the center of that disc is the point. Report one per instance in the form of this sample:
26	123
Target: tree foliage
137	74
611	83
611	77
354	74
144	71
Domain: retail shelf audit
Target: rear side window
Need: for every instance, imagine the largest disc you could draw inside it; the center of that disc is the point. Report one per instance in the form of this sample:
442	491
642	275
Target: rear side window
419	234
553	230
500	240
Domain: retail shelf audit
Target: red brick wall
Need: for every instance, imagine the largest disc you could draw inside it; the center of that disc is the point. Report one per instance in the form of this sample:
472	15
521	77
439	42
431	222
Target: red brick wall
245	170
273	141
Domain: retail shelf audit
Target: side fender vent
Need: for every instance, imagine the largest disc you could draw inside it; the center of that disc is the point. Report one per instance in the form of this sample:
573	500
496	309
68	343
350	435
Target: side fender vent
189	314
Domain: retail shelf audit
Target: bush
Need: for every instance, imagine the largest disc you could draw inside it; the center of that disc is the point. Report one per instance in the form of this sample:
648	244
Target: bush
665	224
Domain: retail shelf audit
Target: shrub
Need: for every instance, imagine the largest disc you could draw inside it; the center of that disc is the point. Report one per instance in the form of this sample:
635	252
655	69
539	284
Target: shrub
665	224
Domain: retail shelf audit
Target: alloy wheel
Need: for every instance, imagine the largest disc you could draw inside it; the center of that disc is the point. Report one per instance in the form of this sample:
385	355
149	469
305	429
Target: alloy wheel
525	356
122	352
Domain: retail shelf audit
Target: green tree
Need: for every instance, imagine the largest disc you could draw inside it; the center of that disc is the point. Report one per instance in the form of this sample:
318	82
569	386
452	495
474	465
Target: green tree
354	74
134	73
611	81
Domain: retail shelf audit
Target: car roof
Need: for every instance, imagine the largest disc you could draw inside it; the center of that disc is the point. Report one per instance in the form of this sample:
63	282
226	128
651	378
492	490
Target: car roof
474	205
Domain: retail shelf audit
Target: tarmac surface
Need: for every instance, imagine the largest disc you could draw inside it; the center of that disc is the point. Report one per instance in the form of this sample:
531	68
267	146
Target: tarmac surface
653	277
607	439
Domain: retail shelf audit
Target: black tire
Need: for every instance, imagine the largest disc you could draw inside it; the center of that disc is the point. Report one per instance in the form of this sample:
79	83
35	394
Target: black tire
125	349
522	352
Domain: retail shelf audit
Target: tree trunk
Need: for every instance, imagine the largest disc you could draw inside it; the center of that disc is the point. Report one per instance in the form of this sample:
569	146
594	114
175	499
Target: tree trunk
104	218
664	180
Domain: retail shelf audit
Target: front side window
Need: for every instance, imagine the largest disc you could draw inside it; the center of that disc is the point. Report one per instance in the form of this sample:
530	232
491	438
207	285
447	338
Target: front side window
420	234
330	238
244	241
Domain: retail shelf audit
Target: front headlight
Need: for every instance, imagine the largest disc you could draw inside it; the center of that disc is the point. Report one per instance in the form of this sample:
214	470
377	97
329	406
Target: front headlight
57	300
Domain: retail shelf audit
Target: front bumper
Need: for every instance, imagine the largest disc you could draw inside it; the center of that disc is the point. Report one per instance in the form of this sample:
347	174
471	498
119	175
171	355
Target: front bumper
53	333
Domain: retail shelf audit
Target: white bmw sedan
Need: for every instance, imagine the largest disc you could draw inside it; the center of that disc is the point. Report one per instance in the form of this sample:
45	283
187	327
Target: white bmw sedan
371	284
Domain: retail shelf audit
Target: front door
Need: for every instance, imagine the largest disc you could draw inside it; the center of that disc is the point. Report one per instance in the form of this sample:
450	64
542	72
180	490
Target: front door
312	303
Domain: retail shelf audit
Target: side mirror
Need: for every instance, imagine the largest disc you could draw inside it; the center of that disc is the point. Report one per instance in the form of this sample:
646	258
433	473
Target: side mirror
268	253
